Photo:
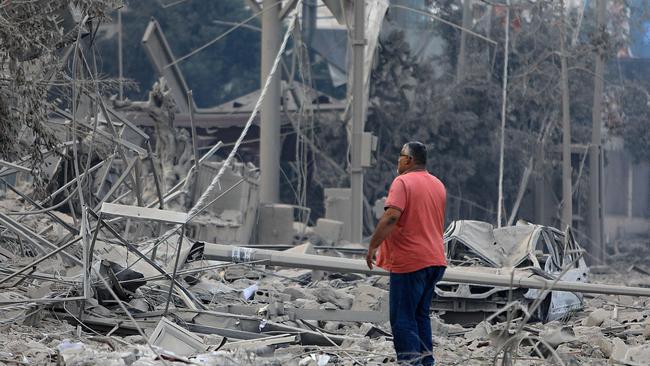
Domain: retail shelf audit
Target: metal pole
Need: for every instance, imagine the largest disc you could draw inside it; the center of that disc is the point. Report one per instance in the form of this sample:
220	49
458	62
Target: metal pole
504	100
173	279
120	64
567	194
521	279
595	219
270	115
195	148
356	171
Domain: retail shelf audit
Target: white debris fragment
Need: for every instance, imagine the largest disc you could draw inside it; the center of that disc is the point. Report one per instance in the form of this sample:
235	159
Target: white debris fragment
596	318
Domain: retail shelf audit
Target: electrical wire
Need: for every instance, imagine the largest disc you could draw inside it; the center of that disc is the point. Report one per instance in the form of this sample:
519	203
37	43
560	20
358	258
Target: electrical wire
224	34
208	192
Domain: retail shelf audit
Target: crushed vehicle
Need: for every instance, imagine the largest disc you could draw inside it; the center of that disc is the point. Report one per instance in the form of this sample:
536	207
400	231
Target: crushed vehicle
524	248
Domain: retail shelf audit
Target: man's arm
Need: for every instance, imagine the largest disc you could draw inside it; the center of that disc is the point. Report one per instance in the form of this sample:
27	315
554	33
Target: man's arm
384	227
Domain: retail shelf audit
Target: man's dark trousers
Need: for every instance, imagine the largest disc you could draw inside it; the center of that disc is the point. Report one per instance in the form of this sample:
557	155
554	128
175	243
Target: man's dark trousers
410	300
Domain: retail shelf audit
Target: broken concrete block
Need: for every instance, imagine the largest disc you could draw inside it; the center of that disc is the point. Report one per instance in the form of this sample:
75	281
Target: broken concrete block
207	289
338	207
139	304
596	318
610	323
337	297
556	334
263	295
438	327
212	339
298	293
619	350
594	336
370	298
306	304
480	332
173	338
11	312
625	317
306	248
328	306
332	326
71	353
38	292
638	355
606	346
646	328
331	231
234	273
300	275
275	224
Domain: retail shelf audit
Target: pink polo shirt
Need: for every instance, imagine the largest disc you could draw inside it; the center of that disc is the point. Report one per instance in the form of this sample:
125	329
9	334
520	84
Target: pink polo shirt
416	242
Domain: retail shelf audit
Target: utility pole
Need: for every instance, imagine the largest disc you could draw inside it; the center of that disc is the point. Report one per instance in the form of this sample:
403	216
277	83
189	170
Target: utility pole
270	115
567	191
595	208
504	101
467	19
356	171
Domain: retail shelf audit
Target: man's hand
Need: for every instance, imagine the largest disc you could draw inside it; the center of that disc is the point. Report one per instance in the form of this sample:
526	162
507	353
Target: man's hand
370	257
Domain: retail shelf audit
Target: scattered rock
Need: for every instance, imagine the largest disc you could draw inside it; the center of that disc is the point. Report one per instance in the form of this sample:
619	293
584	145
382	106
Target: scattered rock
480	332
619	350
646	328
596	318
337	297
557	334
298	293
638	355
370	298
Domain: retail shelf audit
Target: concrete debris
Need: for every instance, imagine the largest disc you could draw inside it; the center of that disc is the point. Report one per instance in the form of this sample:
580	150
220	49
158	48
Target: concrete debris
556	334
480	332
331	231
276	224
115	263
173	338
337	297
596	318
619	350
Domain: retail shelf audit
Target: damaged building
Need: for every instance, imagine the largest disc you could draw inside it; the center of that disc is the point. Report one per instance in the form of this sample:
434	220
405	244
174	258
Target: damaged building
152	232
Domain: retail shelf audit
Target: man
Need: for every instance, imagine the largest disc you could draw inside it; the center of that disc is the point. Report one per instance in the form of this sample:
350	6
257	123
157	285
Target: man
412	250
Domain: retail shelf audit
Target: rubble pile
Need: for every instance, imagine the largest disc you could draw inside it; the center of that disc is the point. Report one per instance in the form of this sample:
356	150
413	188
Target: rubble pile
128	259
247	312
257	317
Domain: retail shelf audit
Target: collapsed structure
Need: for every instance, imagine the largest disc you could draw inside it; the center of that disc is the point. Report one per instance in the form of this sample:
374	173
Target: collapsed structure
152	285
527	249
144	251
